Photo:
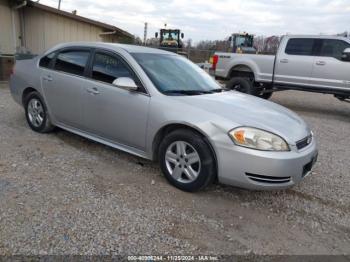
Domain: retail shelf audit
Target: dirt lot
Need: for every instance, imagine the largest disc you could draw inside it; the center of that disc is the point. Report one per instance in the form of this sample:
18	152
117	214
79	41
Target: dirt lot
63	194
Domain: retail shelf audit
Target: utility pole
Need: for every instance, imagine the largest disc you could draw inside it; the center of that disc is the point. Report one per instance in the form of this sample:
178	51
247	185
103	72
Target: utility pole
145	34
59	4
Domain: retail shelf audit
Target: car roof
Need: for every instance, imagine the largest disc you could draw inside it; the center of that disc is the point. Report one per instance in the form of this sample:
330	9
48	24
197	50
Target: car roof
319	37
127	48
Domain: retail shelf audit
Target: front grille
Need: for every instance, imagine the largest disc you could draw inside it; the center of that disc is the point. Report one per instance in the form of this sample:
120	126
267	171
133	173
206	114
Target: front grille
268	179
304	142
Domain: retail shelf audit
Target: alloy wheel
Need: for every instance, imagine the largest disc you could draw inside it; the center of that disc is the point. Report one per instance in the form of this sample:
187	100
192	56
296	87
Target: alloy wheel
35	112
183	162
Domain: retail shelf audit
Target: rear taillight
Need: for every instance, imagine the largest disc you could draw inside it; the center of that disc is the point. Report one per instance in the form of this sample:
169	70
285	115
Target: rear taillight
215	60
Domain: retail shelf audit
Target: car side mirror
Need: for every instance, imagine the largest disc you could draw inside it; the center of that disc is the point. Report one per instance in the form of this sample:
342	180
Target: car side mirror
346	55
230	39
182	35
156	34
125	83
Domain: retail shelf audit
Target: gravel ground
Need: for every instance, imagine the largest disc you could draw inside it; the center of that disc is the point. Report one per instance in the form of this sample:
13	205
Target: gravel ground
63	194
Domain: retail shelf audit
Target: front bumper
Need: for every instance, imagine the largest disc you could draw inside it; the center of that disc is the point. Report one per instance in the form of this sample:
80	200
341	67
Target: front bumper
261	170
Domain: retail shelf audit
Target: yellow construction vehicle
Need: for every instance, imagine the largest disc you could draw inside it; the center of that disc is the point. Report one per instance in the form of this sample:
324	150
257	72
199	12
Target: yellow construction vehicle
242	43
171	40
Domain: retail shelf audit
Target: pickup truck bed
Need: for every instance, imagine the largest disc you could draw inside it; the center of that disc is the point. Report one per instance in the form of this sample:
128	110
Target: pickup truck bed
262	65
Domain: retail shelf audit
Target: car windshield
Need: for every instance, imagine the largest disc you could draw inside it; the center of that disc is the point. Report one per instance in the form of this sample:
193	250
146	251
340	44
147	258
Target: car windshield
173	74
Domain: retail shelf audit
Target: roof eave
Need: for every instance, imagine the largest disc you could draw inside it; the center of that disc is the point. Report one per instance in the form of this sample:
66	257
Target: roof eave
78	18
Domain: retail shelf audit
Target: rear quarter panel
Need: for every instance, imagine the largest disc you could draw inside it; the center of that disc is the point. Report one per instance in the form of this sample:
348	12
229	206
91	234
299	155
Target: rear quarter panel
261	65
26	74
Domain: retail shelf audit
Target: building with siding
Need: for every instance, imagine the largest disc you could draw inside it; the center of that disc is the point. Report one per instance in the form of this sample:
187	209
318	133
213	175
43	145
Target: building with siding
27	26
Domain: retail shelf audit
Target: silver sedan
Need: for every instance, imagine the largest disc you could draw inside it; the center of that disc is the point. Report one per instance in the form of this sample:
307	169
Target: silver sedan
160	106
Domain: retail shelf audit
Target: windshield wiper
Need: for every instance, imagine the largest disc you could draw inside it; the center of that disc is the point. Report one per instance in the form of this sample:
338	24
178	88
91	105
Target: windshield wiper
219	90
187	92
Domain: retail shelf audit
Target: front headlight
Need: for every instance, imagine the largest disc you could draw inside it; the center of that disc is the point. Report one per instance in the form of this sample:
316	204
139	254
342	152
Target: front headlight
258	139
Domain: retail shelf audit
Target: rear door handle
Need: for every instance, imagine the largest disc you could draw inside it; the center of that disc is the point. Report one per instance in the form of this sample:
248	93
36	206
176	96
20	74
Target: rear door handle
321	63
93	91
284	61
47	78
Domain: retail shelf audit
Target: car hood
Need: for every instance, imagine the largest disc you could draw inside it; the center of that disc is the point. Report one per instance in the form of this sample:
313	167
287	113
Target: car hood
246	110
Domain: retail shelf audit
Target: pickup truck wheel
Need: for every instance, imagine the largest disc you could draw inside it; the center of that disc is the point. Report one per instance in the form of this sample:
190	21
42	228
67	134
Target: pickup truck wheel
241	84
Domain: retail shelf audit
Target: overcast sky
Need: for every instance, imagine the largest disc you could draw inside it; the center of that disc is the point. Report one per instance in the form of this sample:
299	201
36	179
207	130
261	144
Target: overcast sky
216	19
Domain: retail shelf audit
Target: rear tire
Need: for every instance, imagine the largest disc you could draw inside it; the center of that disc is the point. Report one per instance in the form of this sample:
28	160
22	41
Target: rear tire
187	160
36	113
241	84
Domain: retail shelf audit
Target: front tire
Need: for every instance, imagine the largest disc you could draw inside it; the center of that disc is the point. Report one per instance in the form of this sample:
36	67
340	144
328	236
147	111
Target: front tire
36	113
187	160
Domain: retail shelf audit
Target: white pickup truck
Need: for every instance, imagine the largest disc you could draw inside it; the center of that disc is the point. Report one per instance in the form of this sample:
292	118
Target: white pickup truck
308	63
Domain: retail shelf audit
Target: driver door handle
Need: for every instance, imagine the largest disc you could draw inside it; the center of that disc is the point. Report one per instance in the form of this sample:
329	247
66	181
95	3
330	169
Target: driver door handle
48	78
284	61
93	91
321	63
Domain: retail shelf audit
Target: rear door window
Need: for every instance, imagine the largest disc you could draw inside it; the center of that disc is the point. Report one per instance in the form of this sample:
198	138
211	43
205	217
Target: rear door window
333	48
300	46
72	61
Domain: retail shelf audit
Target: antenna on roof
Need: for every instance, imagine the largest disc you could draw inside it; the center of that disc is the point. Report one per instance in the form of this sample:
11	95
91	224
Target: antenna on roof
59	4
